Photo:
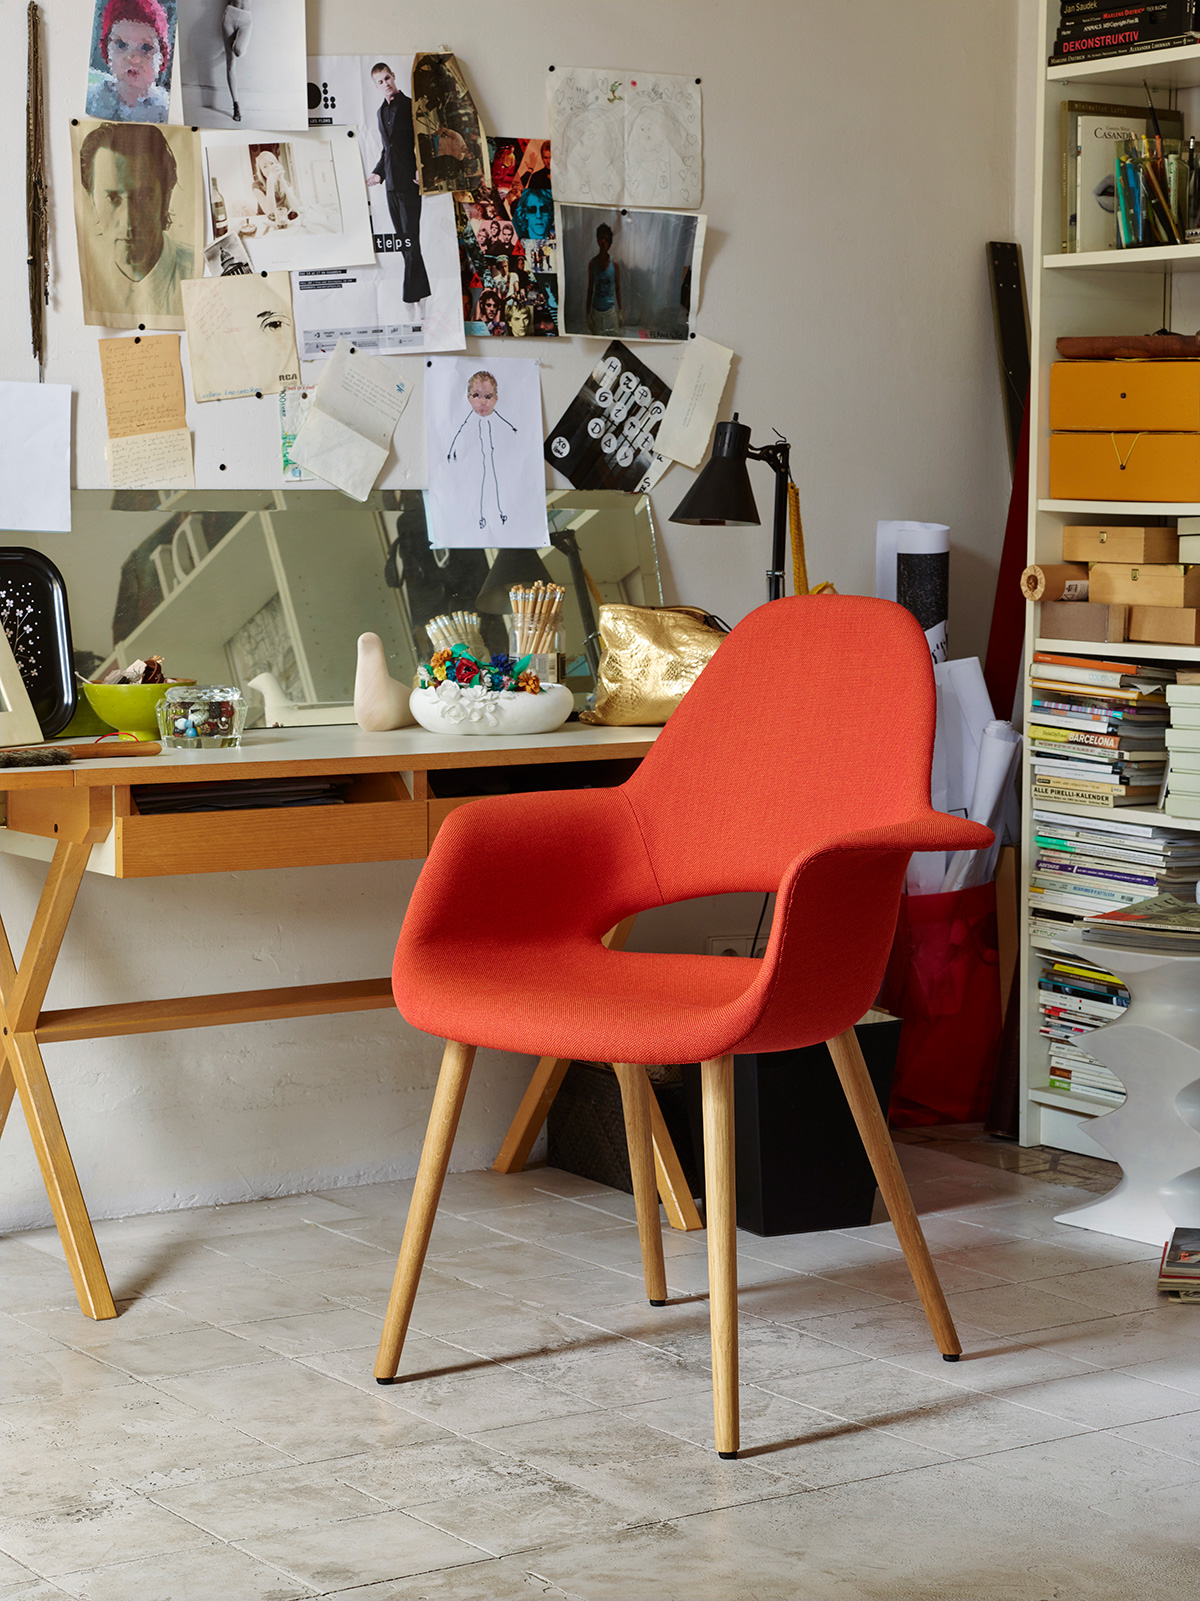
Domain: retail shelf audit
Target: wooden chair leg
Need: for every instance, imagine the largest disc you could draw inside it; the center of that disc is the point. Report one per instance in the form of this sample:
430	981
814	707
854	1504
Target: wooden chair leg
431	1174
716	1080
636	1096
674	1190
872	1127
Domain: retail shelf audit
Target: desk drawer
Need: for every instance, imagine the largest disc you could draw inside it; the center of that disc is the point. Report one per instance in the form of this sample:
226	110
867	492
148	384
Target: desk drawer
376	823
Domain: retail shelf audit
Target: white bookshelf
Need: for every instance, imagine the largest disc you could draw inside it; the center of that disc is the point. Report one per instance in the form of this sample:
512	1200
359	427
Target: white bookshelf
1098	292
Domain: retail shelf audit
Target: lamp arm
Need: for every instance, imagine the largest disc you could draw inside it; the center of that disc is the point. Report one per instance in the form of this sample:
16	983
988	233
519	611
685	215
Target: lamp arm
778	458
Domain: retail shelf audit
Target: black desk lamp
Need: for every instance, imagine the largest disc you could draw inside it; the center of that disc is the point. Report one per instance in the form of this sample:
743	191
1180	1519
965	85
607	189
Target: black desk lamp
721	496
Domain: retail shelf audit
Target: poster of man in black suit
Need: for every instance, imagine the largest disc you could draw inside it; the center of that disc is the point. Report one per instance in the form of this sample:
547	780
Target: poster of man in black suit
396	170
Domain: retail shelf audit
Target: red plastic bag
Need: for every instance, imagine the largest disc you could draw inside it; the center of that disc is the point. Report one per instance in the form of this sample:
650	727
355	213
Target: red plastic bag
943	980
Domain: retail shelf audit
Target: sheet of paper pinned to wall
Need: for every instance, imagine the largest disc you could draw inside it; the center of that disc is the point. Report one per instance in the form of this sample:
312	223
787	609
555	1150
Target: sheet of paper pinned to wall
296	200
606	438
35	458
348	432
411	299
691	413
151	461
241	339
623	138
483	431
143	384
295	404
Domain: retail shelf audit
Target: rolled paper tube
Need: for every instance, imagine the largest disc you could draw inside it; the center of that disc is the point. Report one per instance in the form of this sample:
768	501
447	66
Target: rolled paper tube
1067	581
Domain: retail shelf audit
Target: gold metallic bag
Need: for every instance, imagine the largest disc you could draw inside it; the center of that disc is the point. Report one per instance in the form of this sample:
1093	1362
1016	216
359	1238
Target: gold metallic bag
652	656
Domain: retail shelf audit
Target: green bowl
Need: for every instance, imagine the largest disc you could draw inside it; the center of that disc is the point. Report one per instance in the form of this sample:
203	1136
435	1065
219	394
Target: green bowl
131	708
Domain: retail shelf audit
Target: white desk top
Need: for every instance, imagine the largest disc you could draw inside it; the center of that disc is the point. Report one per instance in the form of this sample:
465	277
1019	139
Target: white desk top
344	747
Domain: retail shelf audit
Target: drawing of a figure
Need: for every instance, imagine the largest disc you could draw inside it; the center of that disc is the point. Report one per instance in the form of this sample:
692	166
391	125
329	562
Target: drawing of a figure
482	394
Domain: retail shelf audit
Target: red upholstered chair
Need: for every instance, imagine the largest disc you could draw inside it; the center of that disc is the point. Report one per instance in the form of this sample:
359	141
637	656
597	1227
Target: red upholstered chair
799	762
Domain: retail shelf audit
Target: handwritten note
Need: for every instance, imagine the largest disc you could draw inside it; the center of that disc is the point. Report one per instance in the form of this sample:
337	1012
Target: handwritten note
684	432
347	435
143	385
151	461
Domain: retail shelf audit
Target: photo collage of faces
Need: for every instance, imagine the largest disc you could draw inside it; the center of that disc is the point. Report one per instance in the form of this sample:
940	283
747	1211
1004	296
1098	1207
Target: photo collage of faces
507	247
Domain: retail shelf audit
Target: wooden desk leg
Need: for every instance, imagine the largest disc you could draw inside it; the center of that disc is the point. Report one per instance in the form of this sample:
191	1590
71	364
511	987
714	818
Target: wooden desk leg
22	991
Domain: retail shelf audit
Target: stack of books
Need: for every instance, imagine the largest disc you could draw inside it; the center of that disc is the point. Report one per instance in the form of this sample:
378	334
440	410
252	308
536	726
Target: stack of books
1083	866
1075	999
1183	742
1097	28
1096	732
1179	1270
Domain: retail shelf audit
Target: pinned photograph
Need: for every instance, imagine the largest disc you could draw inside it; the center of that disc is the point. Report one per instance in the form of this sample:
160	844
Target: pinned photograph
129	73
483	432
296	201
629	274
606	437
139	220
626	138
507	245
243	62
450	149
241	338
410	300
226	257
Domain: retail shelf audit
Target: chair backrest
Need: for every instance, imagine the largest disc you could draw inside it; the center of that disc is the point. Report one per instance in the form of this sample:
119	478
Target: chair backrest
814	718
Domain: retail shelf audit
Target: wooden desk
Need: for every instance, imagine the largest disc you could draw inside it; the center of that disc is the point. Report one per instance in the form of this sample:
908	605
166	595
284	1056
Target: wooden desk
84	818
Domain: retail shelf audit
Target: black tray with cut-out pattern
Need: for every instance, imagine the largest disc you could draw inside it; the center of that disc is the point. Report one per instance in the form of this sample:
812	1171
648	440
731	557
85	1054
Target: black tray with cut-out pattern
33	614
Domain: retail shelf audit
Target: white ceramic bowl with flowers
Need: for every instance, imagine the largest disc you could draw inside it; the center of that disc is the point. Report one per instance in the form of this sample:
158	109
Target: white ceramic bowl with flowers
458	695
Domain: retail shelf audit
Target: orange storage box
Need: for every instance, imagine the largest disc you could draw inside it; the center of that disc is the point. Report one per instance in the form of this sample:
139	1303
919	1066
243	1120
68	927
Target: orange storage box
1125	396
1138	466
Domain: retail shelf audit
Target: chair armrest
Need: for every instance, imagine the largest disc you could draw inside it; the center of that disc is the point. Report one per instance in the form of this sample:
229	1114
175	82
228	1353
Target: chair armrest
835	918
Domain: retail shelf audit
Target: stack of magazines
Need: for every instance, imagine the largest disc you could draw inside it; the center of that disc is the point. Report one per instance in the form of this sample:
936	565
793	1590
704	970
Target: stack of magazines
1086	865
1097	730
1075	999
1097	28
1179	1270
1162	923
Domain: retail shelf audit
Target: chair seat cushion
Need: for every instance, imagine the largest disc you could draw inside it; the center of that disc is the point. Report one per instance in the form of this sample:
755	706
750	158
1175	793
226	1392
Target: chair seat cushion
582	1001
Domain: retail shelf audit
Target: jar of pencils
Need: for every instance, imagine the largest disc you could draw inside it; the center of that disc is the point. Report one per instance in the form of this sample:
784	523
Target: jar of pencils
535	629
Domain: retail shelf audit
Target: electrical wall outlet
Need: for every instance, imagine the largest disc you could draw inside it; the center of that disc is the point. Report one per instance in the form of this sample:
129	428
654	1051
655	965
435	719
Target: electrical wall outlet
730	944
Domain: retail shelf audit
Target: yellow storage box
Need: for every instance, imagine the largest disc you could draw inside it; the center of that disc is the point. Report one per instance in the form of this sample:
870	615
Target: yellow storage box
1138	466
1165	625
1162	396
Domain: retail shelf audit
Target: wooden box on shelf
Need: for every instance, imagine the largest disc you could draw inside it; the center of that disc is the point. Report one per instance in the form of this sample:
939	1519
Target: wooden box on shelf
1111	542
1082	620
1165	625
1151	584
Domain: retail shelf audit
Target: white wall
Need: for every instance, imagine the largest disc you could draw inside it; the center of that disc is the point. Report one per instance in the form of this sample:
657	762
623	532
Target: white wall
857	159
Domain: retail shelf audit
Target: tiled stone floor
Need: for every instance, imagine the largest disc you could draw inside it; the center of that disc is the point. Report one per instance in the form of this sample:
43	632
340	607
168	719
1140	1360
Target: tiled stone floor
223	1439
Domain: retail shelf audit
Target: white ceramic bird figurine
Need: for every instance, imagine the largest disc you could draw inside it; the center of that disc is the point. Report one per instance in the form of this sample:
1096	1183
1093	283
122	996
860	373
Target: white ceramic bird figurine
380	703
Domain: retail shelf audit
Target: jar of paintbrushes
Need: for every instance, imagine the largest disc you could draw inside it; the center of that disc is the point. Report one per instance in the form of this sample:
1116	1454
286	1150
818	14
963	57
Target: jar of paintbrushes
535	629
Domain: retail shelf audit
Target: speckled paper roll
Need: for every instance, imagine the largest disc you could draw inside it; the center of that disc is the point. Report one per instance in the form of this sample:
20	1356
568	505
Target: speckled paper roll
923	579
1066	581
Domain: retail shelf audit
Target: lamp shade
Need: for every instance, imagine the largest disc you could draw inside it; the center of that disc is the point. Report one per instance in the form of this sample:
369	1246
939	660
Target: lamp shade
721	495
510	570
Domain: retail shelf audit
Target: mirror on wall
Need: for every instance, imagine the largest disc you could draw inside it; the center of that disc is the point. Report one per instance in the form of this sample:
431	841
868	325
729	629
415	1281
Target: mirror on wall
228	587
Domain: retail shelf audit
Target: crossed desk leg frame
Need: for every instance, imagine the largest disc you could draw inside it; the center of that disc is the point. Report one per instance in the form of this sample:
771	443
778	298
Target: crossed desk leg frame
22	1070
22	991
535	1104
